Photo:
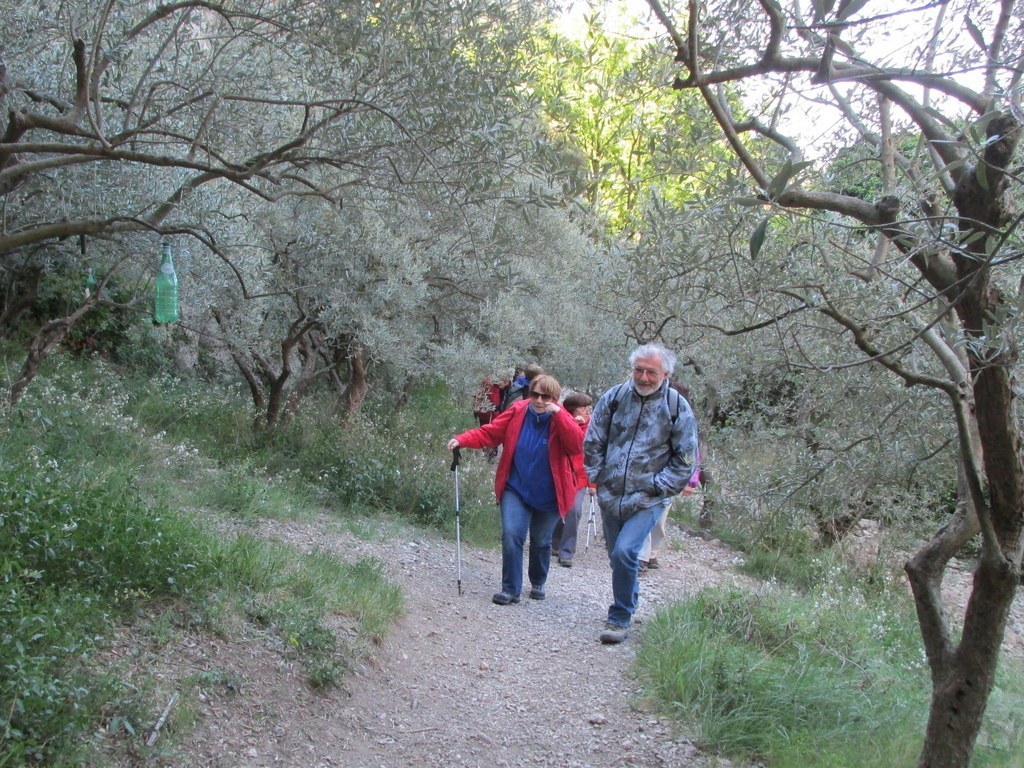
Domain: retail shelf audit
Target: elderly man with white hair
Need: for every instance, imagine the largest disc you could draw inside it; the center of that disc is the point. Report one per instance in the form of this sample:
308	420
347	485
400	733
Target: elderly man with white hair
639	451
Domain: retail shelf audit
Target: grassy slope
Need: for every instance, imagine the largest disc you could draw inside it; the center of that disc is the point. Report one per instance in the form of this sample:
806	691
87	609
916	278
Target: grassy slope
112	487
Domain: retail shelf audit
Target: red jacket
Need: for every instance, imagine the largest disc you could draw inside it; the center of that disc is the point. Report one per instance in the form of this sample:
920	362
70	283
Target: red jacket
565	440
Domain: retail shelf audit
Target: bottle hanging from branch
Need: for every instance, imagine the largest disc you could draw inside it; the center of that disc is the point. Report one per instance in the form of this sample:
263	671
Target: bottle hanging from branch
90	283
166	299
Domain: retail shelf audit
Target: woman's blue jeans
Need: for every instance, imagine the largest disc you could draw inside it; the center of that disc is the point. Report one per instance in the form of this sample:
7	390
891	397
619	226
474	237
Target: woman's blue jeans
624	538
518	519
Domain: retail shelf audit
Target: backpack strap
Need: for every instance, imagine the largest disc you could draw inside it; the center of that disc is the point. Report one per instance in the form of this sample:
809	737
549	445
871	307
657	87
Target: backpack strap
614	404
675	416
678	406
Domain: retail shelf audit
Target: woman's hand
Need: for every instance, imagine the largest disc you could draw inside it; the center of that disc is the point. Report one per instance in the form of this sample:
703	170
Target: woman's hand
453	444
552	407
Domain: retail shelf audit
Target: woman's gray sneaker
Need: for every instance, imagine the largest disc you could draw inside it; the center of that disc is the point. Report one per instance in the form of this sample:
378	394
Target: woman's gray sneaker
504	598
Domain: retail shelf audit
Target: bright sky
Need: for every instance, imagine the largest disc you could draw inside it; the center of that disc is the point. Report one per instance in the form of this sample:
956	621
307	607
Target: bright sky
617	15
897	40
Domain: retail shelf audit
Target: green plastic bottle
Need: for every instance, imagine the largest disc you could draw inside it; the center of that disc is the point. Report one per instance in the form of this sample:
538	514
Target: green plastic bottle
90	283
166	305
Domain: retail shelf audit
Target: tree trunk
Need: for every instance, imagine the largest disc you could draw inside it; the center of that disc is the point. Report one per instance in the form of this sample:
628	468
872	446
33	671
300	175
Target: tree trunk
42	344
241	362
355	392
960	690
20	291
275	394
963	674
306	377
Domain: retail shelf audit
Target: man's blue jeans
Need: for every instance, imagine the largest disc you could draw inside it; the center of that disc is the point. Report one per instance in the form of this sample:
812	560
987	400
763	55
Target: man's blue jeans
624	538
518	519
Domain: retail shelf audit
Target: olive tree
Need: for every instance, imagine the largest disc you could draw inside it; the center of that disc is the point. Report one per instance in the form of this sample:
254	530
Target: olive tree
118	113
935	300
420	268
210	120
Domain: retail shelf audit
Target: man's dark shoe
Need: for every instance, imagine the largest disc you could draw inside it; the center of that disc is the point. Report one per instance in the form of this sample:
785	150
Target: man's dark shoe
565	562
536	593
643	566
504	598
653	564
614	634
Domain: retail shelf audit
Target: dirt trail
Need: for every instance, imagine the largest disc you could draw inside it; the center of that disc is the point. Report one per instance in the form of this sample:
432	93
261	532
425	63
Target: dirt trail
460	681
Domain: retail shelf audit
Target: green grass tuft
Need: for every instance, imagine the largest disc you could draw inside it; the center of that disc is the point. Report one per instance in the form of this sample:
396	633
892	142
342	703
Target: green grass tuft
823	679
109	493
769	675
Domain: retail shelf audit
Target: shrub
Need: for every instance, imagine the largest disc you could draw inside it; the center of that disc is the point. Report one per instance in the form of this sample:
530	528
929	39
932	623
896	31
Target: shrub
70	557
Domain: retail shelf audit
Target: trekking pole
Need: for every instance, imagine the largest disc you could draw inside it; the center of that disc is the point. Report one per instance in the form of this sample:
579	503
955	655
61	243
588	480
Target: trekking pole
591	522
458	521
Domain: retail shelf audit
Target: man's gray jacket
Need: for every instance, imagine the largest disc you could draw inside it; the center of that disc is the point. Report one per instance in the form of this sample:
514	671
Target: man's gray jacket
639	450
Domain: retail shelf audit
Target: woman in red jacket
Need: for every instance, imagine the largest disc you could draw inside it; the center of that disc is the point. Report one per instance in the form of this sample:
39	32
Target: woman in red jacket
535	483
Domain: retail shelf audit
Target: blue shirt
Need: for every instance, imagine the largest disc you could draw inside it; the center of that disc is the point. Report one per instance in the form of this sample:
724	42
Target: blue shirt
530	476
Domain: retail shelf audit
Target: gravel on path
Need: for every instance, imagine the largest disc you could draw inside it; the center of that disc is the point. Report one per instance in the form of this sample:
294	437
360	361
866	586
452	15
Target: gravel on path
460	682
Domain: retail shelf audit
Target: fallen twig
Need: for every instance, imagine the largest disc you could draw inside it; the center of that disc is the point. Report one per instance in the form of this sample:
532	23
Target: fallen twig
155	732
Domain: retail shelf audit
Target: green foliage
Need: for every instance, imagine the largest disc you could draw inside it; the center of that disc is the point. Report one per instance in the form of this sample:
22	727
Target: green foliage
116	330
296	596
215	420
599	104
244	491
72	558
855	171
795	681
825	678
91	542
97	537
391	463
382	459
77	559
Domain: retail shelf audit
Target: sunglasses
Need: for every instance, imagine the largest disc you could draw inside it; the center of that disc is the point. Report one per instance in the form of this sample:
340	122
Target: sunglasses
542	396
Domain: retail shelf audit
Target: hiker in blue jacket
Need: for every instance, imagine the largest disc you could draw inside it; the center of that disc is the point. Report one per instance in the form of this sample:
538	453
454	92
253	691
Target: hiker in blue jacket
640	452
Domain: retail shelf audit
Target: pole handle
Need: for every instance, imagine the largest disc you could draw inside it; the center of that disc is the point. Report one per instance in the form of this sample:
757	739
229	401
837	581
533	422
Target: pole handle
456	457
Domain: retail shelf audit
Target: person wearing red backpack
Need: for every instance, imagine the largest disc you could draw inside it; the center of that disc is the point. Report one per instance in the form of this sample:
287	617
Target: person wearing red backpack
486	401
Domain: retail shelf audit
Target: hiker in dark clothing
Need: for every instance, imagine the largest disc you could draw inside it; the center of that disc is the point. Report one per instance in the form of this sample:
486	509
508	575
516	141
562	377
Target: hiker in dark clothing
521	385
